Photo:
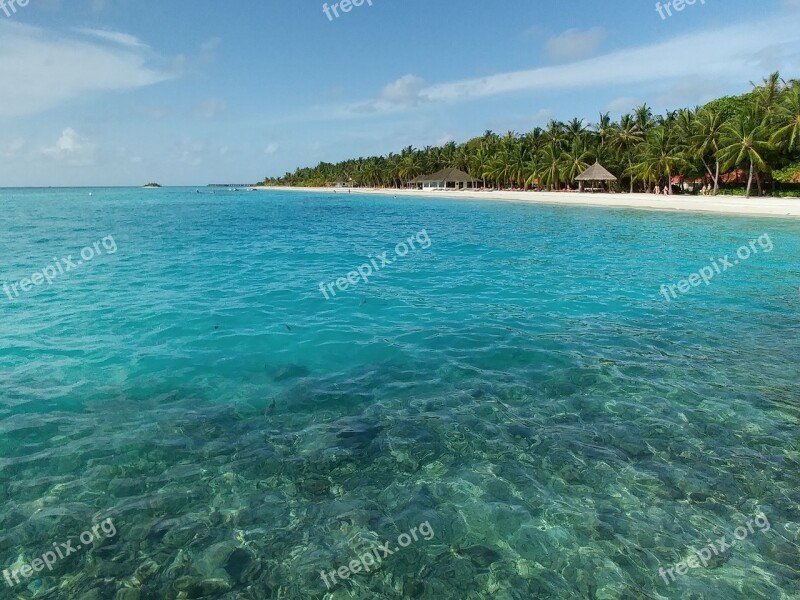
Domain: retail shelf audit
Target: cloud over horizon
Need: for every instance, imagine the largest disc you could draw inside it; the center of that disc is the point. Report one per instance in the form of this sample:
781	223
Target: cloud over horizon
49	69
751	50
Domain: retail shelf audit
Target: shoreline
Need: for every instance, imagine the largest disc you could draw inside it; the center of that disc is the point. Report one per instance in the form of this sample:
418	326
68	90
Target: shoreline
732	205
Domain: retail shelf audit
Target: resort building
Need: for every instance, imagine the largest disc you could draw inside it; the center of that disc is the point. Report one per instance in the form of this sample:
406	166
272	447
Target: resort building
445	179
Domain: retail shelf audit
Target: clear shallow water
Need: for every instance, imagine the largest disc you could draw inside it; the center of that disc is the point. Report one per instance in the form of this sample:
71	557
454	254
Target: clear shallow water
521	385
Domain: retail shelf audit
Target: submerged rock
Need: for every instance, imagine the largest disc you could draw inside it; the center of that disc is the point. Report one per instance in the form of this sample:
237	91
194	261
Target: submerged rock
314	486
480	556
128	594
287	372
356	432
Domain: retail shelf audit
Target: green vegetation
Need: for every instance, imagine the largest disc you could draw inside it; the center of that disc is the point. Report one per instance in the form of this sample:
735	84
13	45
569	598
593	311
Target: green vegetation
152	185
790	174
733	144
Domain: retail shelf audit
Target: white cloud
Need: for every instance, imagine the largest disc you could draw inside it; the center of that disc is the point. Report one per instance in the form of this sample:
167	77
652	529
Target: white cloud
696	89
271	148
115	37
716	54
520	122
399	94
624	104
210	109
14	148
446	138
750	50
189	152
154	112
541	116
71	148
211	44
403	92
574	44
41	70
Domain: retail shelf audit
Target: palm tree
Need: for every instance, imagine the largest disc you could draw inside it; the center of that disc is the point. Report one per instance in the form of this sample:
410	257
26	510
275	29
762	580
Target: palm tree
479	163
574	130
546	167
768	95
646	148
661	158
705	138
534	140
410	166
448	155
684	123
745	143
461	160
497	170
787	121
643	116
556	134
393	170
518	158
624	140
603	129
575	160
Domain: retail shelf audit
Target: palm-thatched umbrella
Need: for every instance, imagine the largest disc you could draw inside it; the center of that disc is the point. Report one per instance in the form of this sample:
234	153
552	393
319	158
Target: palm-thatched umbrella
595	173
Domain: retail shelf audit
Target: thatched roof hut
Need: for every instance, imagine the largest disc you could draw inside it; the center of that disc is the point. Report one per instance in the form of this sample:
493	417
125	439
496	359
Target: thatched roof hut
595	173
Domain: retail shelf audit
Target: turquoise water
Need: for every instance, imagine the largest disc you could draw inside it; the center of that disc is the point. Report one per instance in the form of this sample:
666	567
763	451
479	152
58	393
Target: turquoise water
521	385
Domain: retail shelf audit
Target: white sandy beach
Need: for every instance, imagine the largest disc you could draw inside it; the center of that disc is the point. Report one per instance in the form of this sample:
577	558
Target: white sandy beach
775	207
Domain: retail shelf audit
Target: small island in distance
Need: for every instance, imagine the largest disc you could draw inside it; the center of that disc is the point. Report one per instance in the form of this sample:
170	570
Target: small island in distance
152	185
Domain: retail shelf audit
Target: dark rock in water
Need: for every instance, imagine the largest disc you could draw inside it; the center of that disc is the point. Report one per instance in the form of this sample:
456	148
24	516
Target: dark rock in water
698	497
315	487
238	564
604	532
480	556
520	431
290	372
413	588
128	594
356	432
720	559
202	588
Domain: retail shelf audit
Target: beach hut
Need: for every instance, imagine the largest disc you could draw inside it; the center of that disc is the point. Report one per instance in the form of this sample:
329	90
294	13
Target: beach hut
444	179
595	173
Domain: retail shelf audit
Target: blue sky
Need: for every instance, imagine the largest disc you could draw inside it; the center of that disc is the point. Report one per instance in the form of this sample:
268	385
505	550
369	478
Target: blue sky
123	92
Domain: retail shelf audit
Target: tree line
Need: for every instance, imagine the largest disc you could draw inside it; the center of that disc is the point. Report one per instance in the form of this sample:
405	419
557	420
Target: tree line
735	144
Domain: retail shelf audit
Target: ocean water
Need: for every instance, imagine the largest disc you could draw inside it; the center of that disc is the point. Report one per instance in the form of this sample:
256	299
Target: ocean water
517	387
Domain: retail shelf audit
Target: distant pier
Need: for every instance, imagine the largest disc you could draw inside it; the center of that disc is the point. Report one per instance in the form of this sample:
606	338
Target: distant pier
232	185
